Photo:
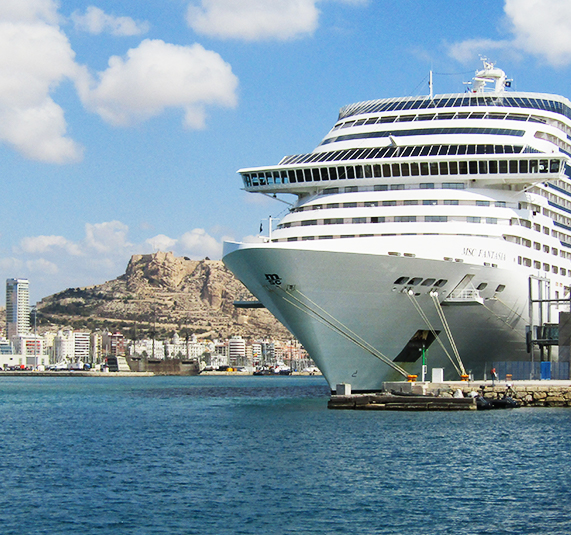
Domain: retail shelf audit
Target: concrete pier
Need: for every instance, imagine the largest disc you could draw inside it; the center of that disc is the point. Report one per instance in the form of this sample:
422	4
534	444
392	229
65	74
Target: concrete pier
446	395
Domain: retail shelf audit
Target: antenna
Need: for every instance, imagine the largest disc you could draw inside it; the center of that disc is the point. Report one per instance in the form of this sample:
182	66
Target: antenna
430	84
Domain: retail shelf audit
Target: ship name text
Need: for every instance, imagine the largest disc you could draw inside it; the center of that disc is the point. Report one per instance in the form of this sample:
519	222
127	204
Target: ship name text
483	253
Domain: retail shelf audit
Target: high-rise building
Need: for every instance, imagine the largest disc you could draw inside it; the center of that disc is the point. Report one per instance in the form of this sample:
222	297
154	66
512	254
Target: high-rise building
17	307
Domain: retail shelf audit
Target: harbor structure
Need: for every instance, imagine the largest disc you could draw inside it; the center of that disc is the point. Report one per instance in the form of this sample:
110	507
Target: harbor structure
419	225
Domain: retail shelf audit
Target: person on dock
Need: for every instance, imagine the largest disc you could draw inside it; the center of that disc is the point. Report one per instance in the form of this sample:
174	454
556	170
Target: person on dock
494	375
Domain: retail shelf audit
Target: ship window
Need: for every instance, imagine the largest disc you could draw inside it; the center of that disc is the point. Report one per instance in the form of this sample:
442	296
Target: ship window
397	186
536	264
481	149
451	202
294	238
405	171
359	220
463	166
482	203
453	168
381	187
368	171
350	171
523	166
377	171
316	175
473	219
434	150
443	150
349	205
554	166
426	185
401	280
333	204
482	286
537	246
435	219
492	220
546	267
334	221
425	117
324	237
440	283
503	166
333	173
483	165
351	189
391	119
372	120
405	219
429	202
341	173
533	166
386	170
461	150
358	171
324	174
377	219
563	271
396	169
501	288
414	169
428	282
425	150
543	166
389	203
416	151
513	166
291	176
299	175
414	281
410	202
473	167
307	173
554	251
368	204
554	269
527	262
493	166
309	223
424	168
471	149
433	168
443	168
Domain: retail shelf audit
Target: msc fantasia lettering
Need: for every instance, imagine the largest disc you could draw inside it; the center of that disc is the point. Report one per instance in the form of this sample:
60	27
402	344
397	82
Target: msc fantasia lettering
482	253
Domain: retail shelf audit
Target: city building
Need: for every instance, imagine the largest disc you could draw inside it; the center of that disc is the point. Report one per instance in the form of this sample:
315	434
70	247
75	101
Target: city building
17	307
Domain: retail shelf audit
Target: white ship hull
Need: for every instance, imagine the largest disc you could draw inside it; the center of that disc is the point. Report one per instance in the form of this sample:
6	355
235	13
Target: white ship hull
324	295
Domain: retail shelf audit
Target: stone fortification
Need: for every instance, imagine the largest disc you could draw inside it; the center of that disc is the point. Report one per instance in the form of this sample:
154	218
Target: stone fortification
163	292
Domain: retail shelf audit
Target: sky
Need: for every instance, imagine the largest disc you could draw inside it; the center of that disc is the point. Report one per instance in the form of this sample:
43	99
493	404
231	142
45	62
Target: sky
122	126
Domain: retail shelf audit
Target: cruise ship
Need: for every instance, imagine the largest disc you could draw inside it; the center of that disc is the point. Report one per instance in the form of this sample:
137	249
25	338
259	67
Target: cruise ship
421	230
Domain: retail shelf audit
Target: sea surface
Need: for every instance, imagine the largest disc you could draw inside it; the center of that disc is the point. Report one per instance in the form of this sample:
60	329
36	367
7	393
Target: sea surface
264	455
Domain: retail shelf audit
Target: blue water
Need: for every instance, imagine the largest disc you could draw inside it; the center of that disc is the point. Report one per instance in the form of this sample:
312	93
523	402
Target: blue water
264	455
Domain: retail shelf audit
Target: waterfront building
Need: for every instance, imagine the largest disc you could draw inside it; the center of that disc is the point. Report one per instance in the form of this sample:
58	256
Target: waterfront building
81	349
17	307
236	351
113	343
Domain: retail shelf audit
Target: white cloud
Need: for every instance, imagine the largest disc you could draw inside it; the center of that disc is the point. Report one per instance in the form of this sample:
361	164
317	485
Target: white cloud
539	27
28	11
41	265
35	56
161	243
96	21
157	75
199	243
253	19
43	244
107	237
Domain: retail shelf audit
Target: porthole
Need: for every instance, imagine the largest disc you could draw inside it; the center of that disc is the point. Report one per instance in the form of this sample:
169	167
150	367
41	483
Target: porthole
401	280
415	281
501	288
440	283
482	286
428	282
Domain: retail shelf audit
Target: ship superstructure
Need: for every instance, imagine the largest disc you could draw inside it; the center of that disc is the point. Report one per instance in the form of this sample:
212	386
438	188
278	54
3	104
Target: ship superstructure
418	224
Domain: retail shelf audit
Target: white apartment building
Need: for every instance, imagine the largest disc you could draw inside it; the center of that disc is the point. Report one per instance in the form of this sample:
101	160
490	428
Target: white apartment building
17	307
236	351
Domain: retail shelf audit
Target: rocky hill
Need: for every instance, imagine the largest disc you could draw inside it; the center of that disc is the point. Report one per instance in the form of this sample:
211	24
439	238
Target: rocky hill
163	293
